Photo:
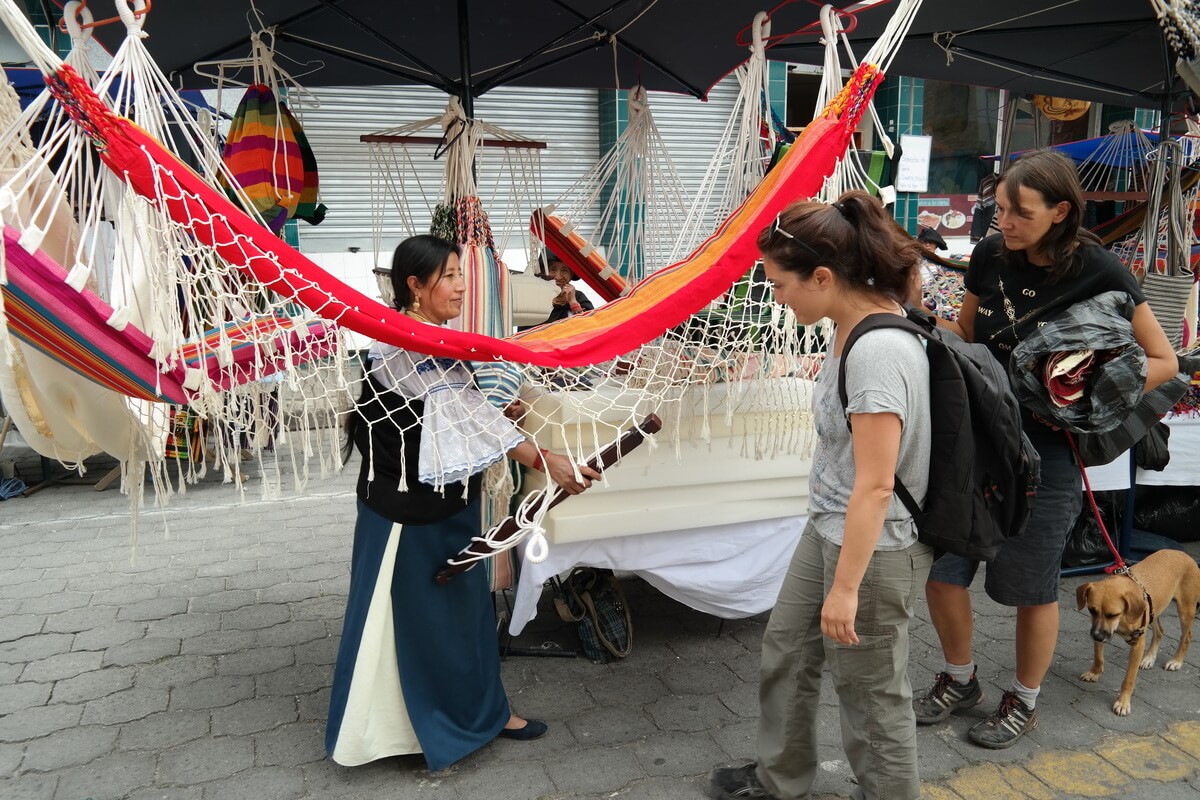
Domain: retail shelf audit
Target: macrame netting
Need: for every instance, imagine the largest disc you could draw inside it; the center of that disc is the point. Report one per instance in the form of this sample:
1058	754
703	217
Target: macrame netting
207	261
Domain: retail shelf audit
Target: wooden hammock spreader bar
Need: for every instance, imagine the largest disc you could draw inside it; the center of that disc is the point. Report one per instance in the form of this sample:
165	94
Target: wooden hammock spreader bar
610	455
519	144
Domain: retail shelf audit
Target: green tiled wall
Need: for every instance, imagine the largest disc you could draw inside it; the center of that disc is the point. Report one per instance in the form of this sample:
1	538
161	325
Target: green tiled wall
900	102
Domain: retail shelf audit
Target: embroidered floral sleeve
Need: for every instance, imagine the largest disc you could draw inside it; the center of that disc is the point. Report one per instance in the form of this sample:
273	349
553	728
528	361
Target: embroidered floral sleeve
461	432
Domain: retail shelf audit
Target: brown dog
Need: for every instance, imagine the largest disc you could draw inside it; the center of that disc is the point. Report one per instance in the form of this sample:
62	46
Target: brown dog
1131	608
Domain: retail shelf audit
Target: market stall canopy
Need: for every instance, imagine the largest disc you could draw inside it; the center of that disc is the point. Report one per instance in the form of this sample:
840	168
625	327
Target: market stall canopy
1111	51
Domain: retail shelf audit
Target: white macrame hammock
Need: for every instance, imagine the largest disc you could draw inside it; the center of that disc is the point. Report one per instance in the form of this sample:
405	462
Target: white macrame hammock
750	372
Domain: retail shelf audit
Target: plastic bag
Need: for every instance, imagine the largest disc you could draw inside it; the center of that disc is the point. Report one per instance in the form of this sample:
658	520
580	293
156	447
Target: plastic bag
1172	511
1085	544
1114	385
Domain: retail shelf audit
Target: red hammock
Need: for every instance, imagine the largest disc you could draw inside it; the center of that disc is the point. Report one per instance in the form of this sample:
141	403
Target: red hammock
658	303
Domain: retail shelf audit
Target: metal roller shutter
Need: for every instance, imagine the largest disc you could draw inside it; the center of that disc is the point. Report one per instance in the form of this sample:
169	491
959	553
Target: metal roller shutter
567	120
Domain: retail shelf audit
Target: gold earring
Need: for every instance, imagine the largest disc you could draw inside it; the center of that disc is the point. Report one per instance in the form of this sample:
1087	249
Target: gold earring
416	303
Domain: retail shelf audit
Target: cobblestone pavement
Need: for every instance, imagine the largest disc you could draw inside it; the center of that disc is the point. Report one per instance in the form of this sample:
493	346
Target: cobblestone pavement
200	671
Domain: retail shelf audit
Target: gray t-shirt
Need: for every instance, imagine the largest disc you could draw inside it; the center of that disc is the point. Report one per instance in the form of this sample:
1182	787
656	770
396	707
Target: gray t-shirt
888	371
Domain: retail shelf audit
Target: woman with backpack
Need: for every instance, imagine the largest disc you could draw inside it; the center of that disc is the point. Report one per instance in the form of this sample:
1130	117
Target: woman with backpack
849	593
1040	263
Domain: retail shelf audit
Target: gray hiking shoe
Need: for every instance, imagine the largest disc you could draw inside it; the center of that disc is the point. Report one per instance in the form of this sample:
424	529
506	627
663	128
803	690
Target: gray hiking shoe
737	783
946	697
1010	722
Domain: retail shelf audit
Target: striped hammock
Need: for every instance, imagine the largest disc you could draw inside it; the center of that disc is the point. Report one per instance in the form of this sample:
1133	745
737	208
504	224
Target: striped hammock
43	311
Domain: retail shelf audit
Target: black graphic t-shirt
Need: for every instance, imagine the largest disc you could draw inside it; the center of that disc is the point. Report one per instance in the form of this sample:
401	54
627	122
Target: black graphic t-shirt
1015	297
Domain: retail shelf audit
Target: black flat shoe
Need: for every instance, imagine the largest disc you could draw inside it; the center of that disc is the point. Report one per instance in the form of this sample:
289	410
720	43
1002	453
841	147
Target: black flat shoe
533	729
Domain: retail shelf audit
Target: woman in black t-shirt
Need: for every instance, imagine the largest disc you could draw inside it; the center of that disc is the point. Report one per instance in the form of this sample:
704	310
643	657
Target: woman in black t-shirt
1040	263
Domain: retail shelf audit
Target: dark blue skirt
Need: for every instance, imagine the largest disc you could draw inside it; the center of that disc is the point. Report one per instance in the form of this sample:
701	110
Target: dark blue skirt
418	668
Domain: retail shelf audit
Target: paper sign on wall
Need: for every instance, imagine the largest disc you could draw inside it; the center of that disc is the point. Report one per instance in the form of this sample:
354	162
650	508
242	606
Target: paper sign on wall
912	173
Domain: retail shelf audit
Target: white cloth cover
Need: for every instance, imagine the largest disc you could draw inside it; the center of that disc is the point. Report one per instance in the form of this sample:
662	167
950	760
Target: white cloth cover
730	571
1183	469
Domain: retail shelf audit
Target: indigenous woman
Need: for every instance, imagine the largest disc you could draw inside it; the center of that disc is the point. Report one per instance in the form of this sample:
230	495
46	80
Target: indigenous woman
418	668
1040	263
849	592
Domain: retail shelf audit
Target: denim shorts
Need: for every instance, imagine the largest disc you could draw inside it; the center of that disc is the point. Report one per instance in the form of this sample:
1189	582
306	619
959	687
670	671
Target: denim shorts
1026	571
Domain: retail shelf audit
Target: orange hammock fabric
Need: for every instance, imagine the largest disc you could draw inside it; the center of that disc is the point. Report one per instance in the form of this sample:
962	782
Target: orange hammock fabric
658	303
578	254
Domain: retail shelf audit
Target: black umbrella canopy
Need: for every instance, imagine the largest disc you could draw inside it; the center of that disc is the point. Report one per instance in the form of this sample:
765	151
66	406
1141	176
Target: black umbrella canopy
674	45
1106	50
1112	51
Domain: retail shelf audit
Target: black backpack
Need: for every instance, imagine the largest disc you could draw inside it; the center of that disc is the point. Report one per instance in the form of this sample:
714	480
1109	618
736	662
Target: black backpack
983	471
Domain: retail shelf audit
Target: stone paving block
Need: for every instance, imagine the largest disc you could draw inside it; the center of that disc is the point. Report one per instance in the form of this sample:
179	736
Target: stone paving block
668	789
737	739
614	725
292	633
258	579
314	705
18	627
54	603
16	696
196	587
225	569
1147	758
327	607
742	699
200	557
141	651
291	681
69	748
185	626
35	548
125	594
164	730
511	780
14	576
158	608
253	716
110	635
32	648
1080	773
317	572
30	723
255	617
321	651
290	745
255	661
1185	736
30	786
168	793
228	600
109	778
551	702
291	592
124	706
694	712
62	666
175	671
694	677
207	759
272	783
10	757
36	588
80	619
594	770
91	685
209	693
219	643
51	560
677	754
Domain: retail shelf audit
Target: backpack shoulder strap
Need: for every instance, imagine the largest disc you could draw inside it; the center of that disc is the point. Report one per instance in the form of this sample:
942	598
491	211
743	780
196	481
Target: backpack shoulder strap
919	326
872	323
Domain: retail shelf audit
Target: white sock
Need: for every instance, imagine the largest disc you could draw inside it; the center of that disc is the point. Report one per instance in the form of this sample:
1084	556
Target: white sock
1028	696
960	672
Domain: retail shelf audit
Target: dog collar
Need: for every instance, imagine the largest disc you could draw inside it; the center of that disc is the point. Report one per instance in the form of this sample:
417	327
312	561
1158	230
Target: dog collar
1133	637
